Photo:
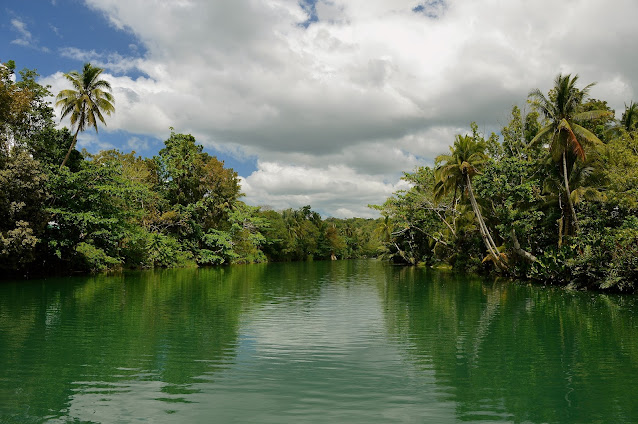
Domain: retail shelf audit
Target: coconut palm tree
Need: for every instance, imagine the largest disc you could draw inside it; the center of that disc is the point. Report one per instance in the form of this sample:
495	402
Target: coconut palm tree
567	139
629	120
585	182
86	102
455	171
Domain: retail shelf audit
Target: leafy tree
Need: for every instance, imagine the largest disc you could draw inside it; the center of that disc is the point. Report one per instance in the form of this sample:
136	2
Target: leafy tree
50	145
515	205
190	176
303	228
598	125
86	102
621	172
99	212
518	133
199	196
333	244
418	216
16	102
245	231
23	194
278	240
513	135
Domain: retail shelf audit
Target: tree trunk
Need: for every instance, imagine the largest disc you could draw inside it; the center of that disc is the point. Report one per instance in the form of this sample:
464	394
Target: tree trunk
485	234
75	140
517	248
568	195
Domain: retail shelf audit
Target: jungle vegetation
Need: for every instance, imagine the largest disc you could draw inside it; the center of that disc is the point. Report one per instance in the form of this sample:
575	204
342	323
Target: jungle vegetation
553	200
65	211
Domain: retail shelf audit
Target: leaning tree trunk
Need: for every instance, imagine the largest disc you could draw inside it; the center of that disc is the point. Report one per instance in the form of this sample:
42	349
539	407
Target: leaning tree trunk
68	154
568	195
485	233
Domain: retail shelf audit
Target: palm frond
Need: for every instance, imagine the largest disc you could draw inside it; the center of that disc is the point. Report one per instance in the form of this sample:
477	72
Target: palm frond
592	114
585	134
571	138
629	120
541	134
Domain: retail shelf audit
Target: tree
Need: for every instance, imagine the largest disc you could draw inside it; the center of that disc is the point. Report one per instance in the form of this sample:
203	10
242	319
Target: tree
563	109
191	175
513	142
49	147
455	171
86	102
23	195
629	120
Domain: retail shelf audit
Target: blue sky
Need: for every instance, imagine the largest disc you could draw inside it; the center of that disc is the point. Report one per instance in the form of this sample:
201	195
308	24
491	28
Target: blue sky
37	32
45	34
321	102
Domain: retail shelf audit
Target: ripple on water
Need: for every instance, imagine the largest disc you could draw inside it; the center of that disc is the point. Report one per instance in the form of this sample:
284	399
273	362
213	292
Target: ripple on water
352	342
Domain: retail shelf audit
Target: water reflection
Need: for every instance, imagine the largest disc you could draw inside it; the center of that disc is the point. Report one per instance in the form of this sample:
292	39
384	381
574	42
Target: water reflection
347	341
80	345
518	353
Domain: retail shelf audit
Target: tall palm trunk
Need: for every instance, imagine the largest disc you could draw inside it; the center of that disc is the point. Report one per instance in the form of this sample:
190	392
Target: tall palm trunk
68	154
485	233
568	195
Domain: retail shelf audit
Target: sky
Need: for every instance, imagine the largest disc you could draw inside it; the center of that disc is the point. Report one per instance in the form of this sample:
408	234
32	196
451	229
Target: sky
321	102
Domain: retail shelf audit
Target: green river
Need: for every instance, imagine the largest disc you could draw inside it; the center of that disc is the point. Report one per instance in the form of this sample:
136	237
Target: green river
316	342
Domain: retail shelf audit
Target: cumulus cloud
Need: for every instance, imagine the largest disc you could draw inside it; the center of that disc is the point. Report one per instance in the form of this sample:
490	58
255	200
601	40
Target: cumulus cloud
338	97
334	190
113	61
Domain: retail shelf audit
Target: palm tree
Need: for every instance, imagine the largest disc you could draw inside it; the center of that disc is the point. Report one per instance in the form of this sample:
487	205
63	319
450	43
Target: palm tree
567	138
585	182
629	120
86	102
455	171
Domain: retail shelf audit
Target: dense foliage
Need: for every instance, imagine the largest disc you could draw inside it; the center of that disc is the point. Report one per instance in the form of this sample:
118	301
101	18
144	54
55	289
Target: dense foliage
556	201
115	210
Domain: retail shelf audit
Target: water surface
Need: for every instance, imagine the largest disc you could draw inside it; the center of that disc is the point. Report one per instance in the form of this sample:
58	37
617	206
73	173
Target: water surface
322	342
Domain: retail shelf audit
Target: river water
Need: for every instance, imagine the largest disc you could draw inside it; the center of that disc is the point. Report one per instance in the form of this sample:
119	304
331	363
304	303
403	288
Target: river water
315	342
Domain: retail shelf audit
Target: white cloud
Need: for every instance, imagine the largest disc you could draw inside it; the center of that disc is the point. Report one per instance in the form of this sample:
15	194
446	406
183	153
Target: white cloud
90	141
25	38
335	190
137	144
114	62
370	89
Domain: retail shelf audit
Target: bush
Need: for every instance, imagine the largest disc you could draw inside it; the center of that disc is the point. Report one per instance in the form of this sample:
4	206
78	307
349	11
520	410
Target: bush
165	251
94	259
